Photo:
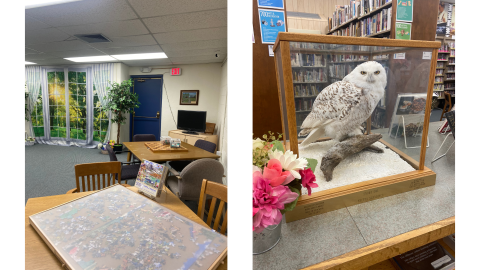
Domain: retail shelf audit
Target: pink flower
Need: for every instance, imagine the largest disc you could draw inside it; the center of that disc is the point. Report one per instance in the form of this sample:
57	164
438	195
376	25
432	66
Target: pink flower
275	173
308	180
255	210
269	201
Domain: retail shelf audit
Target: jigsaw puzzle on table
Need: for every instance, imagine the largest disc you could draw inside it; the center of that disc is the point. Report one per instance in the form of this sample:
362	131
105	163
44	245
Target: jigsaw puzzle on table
117	228
158	147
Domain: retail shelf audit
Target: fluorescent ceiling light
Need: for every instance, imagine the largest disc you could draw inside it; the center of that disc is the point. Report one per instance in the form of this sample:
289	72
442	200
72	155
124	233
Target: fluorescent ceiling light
91	58
140	56
42	3
29	63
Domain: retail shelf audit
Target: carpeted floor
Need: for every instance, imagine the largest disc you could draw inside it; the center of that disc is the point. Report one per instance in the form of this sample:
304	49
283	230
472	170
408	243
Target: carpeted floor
49	169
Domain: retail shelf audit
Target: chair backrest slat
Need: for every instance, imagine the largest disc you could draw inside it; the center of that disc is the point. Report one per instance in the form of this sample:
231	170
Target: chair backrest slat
224	224
219	215
210	211
217	191
92	172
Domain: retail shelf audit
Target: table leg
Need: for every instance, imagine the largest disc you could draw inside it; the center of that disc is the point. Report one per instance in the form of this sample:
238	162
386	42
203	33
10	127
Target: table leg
129	156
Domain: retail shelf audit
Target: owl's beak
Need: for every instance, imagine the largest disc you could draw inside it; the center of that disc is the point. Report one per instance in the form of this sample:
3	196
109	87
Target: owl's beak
370	78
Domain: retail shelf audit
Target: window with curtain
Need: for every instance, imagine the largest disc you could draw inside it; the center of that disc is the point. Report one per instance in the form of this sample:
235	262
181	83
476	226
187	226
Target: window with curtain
37	116
77	88
100	119
56	104
68	108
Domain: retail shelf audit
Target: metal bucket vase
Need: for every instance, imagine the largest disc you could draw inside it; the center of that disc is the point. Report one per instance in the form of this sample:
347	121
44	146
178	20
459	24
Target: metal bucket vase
267	239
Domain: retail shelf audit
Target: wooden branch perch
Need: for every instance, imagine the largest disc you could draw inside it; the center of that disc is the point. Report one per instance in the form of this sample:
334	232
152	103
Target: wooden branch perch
343	149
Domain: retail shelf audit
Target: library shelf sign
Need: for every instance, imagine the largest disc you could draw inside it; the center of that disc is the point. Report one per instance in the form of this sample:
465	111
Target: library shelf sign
405	10
278	4
403	31
272	22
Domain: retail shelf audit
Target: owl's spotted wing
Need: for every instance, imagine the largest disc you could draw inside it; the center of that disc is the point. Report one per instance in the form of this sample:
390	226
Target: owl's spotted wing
333	104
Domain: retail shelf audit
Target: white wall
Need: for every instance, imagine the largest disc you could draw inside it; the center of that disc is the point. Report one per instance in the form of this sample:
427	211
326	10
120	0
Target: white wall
221	127
203	77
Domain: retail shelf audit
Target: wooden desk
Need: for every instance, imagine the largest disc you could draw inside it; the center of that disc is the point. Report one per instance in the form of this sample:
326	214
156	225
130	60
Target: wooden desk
140	150
37	253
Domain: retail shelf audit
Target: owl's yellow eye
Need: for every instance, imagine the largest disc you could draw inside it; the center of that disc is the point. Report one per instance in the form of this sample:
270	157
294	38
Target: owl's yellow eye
377	72
363	72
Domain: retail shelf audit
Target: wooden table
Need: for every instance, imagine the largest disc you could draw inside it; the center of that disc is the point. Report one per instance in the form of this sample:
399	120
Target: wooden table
39	256
140	151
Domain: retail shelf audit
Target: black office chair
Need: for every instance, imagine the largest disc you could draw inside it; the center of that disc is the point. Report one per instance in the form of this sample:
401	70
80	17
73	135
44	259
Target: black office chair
179	165
143	138
129	169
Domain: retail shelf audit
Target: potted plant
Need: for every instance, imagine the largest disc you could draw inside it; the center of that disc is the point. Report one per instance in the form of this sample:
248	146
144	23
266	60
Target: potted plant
29	141
278	178
120	102
25	105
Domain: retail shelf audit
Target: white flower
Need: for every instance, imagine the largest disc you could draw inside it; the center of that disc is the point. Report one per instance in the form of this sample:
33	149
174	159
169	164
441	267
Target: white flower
256	169
257	143
289	161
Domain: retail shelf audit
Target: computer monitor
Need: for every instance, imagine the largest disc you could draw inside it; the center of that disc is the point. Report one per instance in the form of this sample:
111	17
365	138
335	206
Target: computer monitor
192	121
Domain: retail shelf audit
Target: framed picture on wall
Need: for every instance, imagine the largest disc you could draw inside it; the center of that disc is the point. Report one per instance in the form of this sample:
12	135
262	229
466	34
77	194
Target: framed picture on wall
189	97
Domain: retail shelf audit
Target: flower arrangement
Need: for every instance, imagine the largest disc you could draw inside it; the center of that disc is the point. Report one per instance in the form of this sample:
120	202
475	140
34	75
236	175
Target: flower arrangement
29	139
111	143
278	178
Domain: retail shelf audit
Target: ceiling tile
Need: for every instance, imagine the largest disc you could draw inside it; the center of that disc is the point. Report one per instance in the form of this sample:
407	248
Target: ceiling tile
72	45
109	29
30	51
151	8
147	63
44	36
34	24
83	12
78	53
187	21
196	52
191	35
130	41
39	56
132	50
205	44
52	62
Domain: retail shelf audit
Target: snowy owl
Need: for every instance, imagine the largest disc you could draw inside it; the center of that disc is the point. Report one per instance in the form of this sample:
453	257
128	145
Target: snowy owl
341	108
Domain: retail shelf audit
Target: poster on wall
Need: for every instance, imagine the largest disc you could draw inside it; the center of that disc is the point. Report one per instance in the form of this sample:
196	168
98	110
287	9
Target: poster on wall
403	31
253	36
442	13
272	22
405	10
446	19
277	4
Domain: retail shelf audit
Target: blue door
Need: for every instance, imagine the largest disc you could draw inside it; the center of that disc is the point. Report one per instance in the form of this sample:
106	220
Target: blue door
147	118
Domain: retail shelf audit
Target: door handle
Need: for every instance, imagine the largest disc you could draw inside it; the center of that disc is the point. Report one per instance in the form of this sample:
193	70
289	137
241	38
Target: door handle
157	116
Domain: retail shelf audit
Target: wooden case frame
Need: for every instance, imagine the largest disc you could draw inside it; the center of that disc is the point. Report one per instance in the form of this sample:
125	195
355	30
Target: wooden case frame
336	198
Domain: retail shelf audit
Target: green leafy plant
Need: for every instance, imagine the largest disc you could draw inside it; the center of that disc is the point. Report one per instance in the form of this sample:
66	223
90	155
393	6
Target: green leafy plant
25	105
120	102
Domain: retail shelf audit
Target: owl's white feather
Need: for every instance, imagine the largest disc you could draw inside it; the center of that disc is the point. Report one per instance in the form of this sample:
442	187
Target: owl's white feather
341	107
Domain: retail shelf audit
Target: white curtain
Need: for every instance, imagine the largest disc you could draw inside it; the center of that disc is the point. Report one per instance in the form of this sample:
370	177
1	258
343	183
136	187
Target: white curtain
33	80
102	75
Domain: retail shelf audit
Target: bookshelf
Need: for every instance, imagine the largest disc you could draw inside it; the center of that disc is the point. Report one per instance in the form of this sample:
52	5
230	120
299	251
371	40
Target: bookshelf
359	19
445	72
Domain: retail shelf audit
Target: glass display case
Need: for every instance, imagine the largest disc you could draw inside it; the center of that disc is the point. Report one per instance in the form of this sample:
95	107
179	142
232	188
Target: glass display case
335	89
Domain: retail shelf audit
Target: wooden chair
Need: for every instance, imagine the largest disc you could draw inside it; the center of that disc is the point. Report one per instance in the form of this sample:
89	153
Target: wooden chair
448	102
210	128
217	191
93	172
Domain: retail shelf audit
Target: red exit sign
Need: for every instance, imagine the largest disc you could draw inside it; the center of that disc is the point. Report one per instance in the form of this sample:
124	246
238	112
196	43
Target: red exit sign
175	71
